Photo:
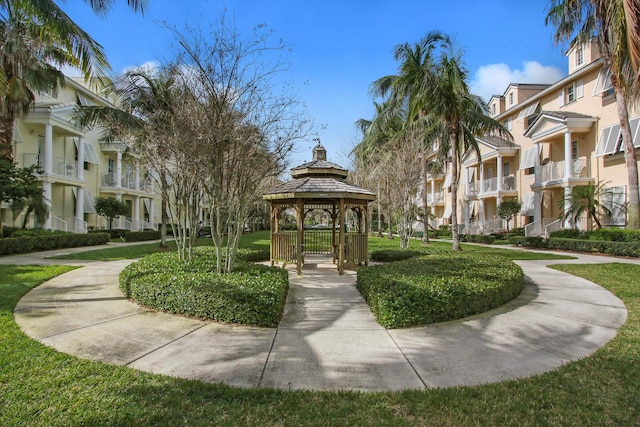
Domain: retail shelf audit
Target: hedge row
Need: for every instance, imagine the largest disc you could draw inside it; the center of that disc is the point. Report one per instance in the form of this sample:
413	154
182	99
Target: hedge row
438	287
45	242
251	295
631	249
141	236
602	234
391	255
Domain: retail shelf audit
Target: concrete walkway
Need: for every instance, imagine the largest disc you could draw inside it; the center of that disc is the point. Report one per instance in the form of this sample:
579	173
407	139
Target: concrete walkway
328	338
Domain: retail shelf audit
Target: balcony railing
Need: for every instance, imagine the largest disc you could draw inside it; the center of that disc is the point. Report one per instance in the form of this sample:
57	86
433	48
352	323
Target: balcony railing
435	197
556	170
58	224
127	181
60	165
491	185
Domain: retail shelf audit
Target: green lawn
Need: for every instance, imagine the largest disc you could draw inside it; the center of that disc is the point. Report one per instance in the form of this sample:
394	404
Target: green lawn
260	239
41	387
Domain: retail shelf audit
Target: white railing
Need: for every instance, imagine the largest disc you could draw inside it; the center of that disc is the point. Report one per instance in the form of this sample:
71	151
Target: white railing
556	170
140	224
60	165
435	198
535	228
554	226
491	185
58	224
121	223
80	225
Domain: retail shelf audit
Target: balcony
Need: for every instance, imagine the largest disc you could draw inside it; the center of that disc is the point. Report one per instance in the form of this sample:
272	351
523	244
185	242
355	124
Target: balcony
554	171
60	166
489	186
109	180
435	198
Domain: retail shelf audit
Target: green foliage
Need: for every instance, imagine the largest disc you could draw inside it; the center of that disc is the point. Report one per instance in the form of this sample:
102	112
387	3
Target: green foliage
438	287
251	295
508	209
49	241
141	236
535	242
390	255
616	248
480	238
110	207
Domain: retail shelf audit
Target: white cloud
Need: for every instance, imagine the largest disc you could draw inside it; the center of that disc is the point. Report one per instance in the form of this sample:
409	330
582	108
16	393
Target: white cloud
493	79
149	67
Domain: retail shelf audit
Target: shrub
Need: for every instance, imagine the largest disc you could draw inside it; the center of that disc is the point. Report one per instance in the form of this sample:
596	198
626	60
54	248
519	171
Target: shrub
614	235
141	236
8	231
390	255
49	241
631	249
480	238
438	287
569	233
536	242
251	295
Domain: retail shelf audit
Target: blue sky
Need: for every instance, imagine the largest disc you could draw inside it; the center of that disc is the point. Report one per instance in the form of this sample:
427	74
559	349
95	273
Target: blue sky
340	47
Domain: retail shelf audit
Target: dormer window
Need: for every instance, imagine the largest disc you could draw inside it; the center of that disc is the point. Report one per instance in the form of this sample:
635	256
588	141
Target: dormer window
493	109
510	98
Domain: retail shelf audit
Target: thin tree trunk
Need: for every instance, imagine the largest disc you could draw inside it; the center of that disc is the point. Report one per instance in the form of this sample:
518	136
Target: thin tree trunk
6	138
425	204
633	209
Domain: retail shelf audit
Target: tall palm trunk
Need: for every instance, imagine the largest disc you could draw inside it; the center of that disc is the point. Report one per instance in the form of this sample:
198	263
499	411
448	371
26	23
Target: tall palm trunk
453	137
6	136
633	209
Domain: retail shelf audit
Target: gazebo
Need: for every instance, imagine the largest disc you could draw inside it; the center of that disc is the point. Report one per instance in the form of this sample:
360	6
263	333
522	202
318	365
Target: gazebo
320	185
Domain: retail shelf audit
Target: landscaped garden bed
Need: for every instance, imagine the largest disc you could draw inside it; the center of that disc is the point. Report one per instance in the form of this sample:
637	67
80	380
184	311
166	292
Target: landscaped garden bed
251	295
438	287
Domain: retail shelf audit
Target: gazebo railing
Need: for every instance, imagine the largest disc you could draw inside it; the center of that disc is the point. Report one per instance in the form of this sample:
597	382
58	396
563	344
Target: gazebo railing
317	241
356	248
283	247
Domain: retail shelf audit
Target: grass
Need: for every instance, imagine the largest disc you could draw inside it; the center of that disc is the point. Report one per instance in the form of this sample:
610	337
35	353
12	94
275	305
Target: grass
41	387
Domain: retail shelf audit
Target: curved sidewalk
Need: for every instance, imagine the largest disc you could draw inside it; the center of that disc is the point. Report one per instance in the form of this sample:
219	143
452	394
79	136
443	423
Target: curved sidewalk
328	338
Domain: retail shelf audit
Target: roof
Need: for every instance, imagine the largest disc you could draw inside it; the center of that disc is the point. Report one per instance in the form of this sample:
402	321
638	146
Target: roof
313	187
496	141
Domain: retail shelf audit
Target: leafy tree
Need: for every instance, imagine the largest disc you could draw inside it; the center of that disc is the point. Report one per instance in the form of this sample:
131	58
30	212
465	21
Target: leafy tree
508	209
611	23
21	187
110	208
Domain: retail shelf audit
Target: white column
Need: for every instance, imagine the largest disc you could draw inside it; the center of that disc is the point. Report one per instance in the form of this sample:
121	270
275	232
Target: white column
119	170
500	174
79	204
137	184
481	178
136	213
481	214
80	165
48	149
537	211
46	194
152	213
568	222
568	161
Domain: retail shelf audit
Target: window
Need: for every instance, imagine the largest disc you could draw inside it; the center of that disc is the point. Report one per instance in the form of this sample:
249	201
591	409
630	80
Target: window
493	109
508	124
528	160
510	98
571	95
614	198
603	84
574	150
579	56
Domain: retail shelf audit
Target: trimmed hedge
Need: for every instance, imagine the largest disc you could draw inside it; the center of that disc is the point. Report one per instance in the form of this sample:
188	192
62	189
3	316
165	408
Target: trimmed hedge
480	238
438	287
536	242
50	241
251	295
390	255
631	249
141	236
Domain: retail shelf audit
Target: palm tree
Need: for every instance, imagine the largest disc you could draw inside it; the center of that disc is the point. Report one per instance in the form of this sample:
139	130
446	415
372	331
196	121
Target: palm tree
586	199
146	117
610	21
404	91
37	39
455	116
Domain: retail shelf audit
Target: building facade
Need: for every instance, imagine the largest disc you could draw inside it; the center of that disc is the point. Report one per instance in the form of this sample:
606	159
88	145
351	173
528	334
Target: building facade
77	167
565	134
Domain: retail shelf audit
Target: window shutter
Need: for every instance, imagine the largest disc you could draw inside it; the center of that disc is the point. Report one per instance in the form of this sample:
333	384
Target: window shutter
561	98
579	89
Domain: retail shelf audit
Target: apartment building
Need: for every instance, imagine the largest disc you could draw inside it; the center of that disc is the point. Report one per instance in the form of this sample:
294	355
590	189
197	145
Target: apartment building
565	134
78	167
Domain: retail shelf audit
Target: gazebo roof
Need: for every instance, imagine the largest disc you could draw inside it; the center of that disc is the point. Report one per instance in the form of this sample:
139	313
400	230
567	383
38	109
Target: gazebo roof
318	179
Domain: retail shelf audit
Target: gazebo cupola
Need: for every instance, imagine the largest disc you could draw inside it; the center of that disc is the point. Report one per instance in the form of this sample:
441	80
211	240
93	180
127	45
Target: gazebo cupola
319	185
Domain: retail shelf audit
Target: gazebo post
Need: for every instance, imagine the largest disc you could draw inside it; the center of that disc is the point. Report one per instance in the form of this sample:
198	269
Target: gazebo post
300	239
333	235
342	237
